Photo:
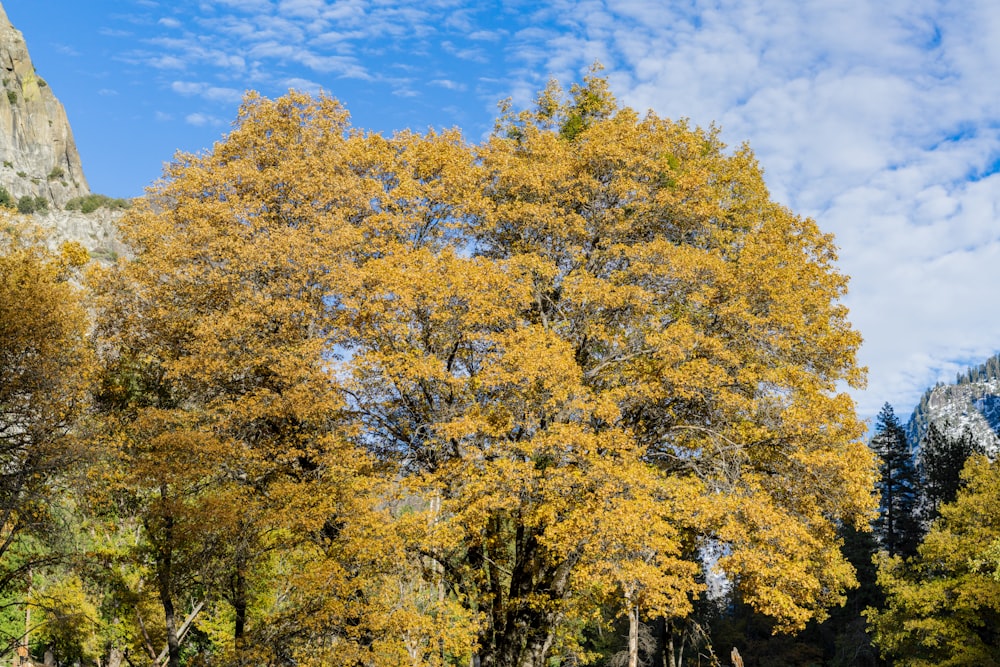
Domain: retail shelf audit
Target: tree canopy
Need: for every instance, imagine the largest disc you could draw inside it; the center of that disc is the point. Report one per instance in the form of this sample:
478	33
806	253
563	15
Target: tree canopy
409	400
943	605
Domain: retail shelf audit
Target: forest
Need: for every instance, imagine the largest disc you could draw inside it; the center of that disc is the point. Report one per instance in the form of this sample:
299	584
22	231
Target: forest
574	394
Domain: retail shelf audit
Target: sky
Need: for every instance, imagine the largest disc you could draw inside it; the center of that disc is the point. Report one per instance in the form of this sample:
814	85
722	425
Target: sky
880	119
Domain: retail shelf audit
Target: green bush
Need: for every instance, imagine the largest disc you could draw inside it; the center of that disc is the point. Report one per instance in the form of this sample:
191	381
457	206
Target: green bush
12	97
57	172
90	203
6	200
28	204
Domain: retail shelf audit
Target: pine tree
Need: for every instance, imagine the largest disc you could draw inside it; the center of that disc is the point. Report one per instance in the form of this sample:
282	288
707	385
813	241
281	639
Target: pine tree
897	526
940	464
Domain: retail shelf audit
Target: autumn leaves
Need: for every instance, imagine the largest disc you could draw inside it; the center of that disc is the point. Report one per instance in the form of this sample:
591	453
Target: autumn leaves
407	400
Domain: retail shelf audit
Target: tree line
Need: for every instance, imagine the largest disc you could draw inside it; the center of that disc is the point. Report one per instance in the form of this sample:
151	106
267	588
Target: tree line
568	395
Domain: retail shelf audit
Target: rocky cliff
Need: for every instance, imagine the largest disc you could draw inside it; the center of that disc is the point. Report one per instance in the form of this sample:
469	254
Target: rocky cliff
38	156
971	404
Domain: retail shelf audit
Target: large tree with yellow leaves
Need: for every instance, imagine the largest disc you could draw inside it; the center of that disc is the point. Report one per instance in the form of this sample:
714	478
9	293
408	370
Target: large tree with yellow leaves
613	351
577	354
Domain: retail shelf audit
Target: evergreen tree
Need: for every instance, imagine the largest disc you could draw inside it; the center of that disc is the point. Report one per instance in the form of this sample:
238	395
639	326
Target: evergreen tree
940	464
897	526
943	605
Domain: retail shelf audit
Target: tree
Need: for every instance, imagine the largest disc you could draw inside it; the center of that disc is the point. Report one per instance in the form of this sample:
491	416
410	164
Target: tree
617	301
472	391
897	525
45	370
940	462
943	605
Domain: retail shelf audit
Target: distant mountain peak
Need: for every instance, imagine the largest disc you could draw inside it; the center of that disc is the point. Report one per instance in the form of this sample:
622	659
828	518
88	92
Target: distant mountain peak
971	404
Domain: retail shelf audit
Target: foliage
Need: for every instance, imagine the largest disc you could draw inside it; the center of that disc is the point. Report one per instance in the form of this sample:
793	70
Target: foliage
940	464
405	400
45	367
621	362
223	422
897	525
943	605
28	204
92	202
56	173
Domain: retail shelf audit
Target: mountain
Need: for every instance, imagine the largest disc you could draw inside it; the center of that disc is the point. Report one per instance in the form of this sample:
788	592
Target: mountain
39	161
38	156
972	402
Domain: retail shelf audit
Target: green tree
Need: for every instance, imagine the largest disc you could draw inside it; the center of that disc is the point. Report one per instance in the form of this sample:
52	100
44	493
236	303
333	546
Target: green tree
897	525
943	605
940	462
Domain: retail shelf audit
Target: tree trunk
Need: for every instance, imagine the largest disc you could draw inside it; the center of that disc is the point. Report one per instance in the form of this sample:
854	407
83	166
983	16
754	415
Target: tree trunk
115	655
164	574
633	631
26	639
239	603
669	655
526	634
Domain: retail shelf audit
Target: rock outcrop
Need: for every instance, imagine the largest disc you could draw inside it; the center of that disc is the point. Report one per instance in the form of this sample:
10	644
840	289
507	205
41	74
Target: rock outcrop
38	156
970	405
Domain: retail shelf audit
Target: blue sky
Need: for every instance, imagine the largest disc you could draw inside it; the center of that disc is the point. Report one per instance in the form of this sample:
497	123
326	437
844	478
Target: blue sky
877	118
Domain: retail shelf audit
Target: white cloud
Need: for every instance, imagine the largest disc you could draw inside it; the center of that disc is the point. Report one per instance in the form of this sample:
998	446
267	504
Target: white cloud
870	117
448	84
201	120
303	85
67	50
167	62
207	91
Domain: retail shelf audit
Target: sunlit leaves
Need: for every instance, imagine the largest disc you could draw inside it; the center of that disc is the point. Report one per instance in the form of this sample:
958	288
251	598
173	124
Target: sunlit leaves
473	390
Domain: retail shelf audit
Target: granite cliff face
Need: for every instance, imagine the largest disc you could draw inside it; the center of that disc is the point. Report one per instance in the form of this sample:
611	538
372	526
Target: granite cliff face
38	156
971	404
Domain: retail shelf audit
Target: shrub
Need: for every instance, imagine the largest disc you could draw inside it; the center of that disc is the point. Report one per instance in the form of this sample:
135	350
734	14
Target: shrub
6	200
57	172
12	97
28	204
92	202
